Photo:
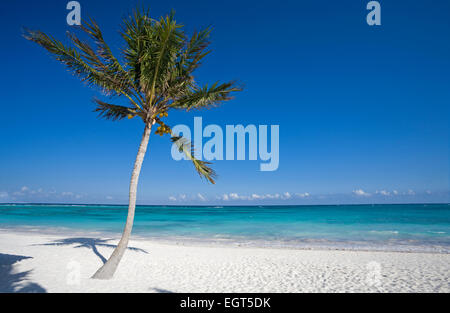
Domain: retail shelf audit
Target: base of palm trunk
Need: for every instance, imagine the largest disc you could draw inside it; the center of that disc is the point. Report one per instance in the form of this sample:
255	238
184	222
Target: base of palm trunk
103	273
108	269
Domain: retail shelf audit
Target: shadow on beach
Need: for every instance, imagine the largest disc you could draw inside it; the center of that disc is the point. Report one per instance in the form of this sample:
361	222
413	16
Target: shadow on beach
160	290
15	282
90	243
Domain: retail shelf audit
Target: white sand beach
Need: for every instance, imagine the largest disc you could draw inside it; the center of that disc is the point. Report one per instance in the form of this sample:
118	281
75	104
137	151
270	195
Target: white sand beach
31	262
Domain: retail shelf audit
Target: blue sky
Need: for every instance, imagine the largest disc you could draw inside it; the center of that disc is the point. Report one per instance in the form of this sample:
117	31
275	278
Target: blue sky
363	111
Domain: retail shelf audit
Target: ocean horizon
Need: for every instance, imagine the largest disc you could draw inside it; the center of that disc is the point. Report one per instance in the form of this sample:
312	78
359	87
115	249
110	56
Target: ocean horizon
380	227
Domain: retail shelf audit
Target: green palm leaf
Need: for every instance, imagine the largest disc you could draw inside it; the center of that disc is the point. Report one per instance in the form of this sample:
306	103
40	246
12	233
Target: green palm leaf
112	111
73	60
206	96
201	167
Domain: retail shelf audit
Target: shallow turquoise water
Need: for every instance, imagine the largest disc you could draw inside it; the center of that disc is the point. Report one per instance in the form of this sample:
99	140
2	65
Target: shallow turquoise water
408	226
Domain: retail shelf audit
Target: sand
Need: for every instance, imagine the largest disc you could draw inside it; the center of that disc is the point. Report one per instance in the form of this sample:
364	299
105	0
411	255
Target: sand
33	262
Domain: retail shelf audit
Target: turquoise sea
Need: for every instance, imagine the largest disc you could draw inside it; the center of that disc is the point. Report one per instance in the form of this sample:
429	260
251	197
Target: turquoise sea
399	227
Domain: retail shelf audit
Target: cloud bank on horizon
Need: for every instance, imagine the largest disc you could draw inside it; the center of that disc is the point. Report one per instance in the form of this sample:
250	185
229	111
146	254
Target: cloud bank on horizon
26	194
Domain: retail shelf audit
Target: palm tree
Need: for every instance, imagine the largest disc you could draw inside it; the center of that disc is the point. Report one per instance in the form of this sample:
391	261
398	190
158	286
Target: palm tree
156	75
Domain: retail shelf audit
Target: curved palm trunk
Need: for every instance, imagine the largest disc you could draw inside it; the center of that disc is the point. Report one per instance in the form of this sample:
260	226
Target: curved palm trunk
109	268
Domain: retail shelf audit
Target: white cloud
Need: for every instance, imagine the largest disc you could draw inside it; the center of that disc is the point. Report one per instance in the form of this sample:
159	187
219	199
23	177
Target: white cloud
3	194
383	192
181	197
395	192
286	195
428	192
256	197
234	196
411	192
39	194
303	195
107	197
361	193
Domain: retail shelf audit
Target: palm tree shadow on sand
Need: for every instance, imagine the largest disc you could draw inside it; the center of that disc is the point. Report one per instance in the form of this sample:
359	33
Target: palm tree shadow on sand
12	281
160	290
90	243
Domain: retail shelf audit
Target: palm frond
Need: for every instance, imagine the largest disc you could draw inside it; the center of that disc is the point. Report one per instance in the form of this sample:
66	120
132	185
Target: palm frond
74	61
180	81
195	50
113	112
201	167
84	63
103	50
135	30
110	64
206	96
160	57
